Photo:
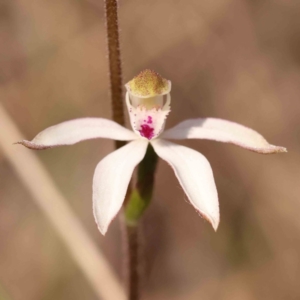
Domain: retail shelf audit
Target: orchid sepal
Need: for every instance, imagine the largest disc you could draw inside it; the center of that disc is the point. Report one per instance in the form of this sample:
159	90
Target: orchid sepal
222	131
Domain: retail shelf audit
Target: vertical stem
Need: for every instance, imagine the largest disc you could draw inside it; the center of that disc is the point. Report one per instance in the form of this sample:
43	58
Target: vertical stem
141	195
114	57
136	205
133	262
115	75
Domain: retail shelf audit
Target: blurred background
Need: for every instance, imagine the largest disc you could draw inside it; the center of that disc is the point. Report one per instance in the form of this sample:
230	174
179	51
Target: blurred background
232	59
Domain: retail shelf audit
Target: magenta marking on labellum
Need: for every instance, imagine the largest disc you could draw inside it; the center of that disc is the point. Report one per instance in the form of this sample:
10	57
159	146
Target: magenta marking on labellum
149	121
147	131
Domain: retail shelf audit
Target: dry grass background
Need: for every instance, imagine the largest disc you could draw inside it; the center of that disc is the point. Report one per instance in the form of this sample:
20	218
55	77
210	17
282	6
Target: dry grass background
237	60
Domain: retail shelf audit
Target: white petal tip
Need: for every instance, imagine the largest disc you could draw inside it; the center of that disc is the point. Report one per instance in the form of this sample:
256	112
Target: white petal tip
215	226
22	142
102	227
103	230
102	222
31	145
272	149
280	149
214	221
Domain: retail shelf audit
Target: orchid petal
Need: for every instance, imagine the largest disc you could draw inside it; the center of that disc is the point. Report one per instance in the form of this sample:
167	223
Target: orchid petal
222	131
74	131
195	175
111	179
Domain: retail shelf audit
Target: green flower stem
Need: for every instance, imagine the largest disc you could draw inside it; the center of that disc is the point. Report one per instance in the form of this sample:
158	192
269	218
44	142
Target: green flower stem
141	195
138	201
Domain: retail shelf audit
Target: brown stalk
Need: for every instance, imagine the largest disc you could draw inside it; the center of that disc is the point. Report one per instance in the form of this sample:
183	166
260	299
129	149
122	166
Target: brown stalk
115	75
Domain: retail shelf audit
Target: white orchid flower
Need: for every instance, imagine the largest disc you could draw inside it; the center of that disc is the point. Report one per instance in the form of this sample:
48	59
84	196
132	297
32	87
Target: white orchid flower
148	101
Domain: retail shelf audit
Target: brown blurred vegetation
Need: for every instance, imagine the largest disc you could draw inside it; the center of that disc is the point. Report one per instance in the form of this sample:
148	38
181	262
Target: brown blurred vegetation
236	60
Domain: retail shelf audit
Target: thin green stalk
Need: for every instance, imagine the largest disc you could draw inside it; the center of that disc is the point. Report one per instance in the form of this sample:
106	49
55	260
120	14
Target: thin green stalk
134	209
142	194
